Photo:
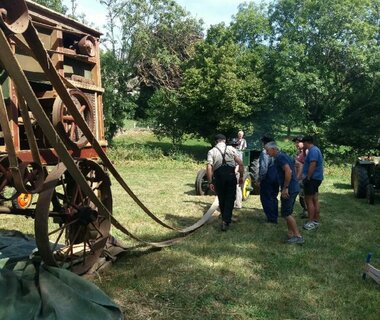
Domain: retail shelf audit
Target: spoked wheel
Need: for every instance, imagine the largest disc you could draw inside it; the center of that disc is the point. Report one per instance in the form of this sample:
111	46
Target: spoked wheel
70	231
65	123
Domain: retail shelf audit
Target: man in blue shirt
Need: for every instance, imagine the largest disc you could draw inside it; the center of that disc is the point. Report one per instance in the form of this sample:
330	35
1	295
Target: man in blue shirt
289	189
313	176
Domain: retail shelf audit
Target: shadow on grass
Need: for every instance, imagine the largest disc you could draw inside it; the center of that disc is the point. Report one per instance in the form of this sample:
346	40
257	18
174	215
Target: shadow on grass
192	192
181	221
137	252
16	233
196	152
248	273
342	186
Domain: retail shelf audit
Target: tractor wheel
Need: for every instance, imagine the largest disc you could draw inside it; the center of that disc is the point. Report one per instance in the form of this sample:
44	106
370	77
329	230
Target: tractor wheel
201	184
370	194
254	169
361	181
352	175
247	186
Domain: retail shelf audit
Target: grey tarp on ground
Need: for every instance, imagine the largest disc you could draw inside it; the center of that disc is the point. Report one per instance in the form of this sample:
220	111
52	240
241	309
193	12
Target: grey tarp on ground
50	293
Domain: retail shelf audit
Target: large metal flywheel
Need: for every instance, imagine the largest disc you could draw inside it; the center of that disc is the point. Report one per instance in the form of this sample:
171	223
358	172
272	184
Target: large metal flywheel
70	231
65	123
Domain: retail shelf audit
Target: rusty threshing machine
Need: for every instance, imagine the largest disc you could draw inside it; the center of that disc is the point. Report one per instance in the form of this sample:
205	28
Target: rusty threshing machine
52	144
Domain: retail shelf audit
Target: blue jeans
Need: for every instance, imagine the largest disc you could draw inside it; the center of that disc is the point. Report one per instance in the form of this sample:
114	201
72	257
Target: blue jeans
268	198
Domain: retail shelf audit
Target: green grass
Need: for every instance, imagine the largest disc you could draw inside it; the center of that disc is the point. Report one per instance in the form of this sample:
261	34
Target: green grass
246	272
143	145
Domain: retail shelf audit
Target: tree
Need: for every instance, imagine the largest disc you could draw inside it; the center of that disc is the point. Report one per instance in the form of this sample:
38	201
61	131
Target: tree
168	115
357	125
150	40
219	89
320	50
118	99
250	28
55	5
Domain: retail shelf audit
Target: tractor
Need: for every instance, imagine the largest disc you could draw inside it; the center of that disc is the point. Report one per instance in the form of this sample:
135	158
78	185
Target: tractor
365	177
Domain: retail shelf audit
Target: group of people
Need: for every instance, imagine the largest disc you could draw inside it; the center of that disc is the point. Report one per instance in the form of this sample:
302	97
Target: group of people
300	175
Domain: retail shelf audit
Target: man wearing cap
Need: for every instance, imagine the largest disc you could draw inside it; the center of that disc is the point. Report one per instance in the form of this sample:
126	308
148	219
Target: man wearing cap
268	183
289	190
313	175
221	163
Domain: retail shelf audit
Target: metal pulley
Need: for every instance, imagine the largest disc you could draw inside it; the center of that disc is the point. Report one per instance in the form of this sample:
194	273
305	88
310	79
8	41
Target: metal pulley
66	124
87	46
14	17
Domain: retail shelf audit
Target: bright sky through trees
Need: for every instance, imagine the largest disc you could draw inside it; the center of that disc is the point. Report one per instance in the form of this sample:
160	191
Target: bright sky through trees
211	11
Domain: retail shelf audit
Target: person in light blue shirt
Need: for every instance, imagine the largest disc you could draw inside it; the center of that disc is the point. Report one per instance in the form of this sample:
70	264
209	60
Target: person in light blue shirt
313	177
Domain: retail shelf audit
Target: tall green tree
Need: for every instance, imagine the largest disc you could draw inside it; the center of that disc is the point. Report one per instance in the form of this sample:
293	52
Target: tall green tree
168	115
251	29
118	100
150	40
358	124
320	50
220	89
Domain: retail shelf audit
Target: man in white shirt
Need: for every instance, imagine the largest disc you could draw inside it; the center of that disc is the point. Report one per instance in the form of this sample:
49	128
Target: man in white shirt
221	163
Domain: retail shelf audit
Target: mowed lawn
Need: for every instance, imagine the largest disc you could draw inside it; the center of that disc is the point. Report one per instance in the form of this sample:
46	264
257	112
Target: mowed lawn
247	272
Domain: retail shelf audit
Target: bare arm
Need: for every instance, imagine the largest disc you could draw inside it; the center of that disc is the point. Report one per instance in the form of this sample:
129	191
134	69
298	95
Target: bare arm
209	172
312	166
241	168
299	167
287	178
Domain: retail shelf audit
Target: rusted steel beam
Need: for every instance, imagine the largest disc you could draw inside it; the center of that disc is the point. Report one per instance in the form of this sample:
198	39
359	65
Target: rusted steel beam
50	156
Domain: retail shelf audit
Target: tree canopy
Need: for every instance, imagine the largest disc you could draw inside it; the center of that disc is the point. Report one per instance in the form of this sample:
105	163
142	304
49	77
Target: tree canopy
55	5
309	65
150	40
322	54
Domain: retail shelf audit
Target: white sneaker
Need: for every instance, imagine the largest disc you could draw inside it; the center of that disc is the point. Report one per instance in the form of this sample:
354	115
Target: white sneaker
309	225
316	223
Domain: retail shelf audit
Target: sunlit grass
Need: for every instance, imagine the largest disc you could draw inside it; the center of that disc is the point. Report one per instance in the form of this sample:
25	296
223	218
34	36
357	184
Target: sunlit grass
247	272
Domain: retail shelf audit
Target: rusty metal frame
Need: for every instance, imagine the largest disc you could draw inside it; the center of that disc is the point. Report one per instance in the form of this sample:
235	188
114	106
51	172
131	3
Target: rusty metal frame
61	86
